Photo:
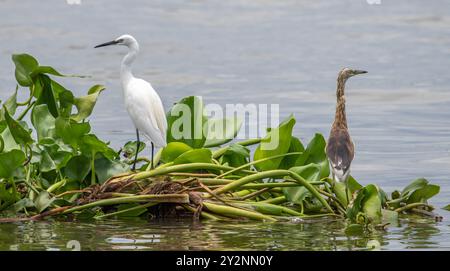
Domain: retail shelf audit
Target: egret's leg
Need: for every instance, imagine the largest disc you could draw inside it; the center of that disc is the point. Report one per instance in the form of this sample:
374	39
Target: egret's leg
153	150
137	149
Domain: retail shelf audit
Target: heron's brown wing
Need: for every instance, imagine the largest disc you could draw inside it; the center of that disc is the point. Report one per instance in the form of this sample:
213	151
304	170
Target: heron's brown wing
340	149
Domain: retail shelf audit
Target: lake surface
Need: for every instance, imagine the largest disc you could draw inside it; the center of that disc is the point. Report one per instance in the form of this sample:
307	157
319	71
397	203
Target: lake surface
258	52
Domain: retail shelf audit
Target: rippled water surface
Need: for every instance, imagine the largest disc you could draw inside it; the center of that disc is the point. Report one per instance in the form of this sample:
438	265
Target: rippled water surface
284	52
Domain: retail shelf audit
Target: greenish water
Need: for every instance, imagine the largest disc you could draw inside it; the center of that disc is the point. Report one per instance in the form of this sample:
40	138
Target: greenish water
184	234
282	52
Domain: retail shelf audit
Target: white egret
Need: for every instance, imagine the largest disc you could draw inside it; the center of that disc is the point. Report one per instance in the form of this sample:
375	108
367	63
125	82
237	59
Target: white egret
141	101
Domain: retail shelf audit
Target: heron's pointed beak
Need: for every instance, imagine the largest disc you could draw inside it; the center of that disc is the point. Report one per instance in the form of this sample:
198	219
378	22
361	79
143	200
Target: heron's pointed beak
107	43
360	71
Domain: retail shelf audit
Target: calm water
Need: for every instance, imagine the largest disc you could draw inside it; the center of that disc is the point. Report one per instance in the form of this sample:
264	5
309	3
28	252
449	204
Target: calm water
285	52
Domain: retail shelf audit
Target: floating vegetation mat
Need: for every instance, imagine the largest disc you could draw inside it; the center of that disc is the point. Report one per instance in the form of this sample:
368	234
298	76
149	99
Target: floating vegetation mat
58	167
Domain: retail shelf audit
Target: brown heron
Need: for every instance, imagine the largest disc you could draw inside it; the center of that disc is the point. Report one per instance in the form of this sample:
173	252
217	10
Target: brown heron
340	147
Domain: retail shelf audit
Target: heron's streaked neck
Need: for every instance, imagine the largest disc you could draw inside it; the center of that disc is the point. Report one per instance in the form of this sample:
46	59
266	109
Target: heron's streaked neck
340	118
125	69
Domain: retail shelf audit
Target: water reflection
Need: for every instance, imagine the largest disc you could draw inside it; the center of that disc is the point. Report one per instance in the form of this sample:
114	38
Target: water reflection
185	234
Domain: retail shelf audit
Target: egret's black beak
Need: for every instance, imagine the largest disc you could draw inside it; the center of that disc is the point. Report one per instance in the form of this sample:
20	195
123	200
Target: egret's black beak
107	43
360	72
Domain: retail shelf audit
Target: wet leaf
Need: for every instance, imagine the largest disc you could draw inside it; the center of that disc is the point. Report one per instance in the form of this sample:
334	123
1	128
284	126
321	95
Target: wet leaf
25	64
276	142
19	133
173	150
311	173
130	148
10	161
290	161
78	168
106	168
92	145
236	155
43	201
85	104
315	153
47	95
71	132
43	121
10	105
367	202
186	121
194	156
221	131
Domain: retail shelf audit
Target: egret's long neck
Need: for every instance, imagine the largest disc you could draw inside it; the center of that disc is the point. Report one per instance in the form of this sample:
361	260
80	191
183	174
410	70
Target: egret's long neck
340	118
125	69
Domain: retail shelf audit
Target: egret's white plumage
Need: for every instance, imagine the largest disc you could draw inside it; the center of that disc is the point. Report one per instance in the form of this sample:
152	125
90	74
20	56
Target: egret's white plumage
141	101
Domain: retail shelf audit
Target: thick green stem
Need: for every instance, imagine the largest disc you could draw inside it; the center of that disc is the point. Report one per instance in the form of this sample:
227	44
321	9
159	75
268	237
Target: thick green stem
257	162
273	174
411	206
183	167
277	200
236	212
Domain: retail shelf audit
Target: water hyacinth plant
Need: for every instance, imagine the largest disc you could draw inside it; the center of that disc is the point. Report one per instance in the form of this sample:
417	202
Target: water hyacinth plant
57	167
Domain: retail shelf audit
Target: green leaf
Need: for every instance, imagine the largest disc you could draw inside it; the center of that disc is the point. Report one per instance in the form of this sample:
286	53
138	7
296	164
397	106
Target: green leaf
353	185
194	156
367	202
173	150
423	194
447	208
413	186
46	162
315	153
47	95
25	65
71	132
92	145
20	135
276	142
311	173
221	131
43	201
130	148
45	69
85	104
78	168
43	121
419	191
290	161
10	161
372	203
106	168
21	205
186	122
235	156
10	105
